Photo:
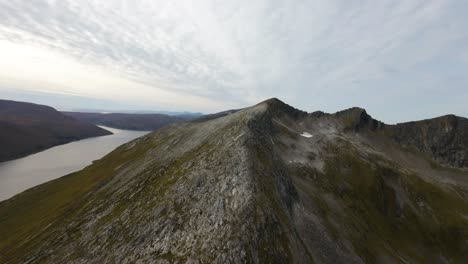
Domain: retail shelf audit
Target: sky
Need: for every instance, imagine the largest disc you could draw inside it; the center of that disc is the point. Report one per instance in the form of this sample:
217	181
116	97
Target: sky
400	60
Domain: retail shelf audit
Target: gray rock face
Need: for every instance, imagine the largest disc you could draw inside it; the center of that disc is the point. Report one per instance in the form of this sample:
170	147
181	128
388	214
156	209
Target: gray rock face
266	184
444	139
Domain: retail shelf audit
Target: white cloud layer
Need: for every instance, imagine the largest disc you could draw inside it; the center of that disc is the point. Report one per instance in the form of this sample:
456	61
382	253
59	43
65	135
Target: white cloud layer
399	59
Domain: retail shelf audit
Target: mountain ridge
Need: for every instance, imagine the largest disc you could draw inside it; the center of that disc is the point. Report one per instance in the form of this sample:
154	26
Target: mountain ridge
265	184
142	122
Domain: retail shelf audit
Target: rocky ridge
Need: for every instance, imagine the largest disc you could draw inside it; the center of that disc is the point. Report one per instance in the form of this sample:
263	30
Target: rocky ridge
265	184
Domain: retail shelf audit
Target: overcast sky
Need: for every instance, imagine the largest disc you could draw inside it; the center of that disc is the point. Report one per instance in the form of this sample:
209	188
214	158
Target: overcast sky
401	60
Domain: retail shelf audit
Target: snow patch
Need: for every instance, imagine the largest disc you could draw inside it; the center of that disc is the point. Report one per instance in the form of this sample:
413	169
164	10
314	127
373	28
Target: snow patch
306	135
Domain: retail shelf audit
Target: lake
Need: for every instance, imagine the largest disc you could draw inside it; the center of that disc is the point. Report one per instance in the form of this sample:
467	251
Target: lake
24	173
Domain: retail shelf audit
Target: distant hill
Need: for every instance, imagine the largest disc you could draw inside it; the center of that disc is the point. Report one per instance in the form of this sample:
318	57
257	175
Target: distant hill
147	122
26	128
126	111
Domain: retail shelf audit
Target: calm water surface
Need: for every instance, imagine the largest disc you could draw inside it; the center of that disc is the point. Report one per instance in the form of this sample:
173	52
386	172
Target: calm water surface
24	173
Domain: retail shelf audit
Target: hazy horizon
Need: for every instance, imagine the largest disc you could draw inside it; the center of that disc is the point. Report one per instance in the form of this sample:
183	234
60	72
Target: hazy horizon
401	61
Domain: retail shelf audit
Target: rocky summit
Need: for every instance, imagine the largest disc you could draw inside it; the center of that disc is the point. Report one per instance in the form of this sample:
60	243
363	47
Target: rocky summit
265	184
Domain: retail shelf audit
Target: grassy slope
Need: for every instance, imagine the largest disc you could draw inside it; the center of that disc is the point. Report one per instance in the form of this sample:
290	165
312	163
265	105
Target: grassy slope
42	206
430	223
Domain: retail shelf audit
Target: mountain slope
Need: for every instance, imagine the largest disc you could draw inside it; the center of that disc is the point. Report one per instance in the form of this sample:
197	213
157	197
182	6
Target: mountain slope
266	184
144	122
445	138
27	128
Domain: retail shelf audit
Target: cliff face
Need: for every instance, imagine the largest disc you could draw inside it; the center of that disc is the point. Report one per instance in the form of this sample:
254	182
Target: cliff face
27	128
445	138
266	184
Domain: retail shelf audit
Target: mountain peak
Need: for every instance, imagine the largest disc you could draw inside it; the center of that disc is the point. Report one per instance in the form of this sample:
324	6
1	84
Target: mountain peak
356	119
272	100
277	107
354	111
272	103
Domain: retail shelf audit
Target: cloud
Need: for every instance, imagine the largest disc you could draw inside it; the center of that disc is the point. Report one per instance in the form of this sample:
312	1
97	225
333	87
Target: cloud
315	54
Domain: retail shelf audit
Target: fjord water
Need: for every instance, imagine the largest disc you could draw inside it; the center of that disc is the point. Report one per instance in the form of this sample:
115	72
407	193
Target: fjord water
24	173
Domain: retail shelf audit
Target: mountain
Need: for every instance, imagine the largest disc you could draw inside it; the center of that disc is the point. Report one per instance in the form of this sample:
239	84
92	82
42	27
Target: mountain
26	128
126	111
145	122
445	139
265	184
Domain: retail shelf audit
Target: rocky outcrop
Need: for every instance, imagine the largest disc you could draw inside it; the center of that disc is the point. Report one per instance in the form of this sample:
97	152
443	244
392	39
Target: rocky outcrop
445	139
356	119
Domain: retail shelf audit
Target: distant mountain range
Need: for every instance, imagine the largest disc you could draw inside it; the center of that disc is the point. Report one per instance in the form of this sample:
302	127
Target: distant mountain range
146	122
265	184
170	113
26	128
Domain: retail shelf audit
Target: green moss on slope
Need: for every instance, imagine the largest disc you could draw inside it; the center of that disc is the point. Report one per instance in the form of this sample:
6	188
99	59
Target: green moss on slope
39	208
426	223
